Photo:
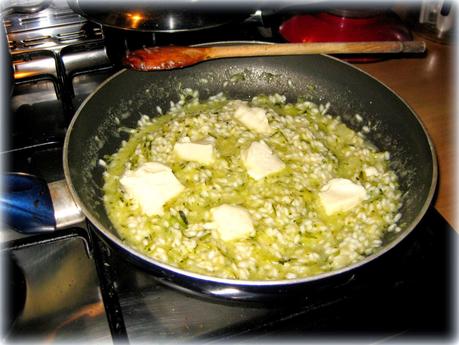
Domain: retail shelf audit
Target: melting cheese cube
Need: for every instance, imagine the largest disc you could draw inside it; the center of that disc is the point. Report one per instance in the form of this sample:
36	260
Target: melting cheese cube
260	161
151	186
341	194
232	222
253	118
201	151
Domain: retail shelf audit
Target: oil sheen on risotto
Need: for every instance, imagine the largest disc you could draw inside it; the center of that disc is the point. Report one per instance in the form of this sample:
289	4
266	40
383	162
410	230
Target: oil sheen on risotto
251	190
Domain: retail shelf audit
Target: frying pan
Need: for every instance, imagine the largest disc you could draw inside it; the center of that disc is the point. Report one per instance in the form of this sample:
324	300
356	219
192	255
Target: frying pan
120	101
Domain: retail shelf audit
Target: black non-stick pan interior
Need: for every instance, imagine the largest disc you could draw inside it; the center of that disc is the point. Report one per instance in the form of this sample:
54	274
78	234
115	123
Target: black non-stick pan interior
393	126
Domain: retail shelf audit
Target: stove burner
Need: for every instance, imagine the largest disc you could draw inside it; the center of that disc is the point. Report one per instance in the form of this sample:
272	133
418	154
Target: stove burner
59	297
28	7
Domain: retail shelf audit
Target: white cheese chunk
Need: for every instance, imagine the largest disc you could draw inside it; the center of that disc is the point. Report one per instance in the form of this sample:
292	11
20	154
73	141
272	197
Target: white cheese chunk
201	151
232	222
341	194
260	161
151	185
370	171
253	118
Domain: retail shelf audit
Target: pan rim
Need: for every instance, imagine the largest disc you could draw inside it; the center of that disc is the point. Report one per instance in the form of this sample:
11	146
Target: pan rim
254	283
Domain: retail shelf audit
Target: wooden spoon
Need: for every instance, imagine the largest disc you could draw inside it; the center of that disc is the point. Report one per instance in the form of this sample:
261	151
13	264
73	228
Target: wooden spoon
163	58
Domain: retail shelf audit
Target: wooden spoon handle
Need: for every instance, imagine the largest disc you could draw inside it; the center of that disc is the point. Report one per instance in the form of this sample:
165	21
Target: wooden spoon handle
316	48
160	58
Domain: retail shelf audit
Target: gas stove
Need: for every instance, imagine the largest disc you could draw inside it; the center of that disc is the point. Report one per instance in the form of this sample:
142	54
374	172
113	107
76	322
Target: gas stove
69	285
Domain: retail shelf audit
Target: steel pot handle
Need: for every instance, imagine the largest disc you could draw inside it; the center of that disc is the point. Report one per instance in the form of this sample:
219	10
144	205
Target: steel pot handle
30	205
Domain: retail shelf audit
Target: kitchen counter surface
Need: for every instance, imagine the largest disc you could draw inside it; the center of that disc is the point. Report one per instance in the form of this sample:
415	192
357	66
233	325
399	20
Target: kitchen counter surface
427	84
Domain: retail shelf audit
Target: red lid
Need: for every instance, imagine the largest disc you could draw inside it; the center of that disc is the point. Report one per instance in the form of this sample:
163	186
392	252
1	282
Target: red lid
327	27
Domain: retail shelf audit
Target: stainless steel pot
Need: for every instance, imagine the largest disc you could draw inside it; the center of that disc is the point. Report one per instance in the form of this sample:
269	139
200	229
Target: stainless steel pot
162	16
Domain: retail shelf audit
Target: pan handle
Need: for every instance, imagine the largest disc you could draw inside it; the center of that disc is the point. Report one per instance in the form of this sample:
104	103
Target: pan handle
26	204
30	205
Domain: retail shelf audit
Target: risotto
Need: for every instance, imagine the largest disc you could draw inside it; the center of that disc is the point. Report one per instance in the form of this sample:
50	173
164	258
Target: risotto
253	197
